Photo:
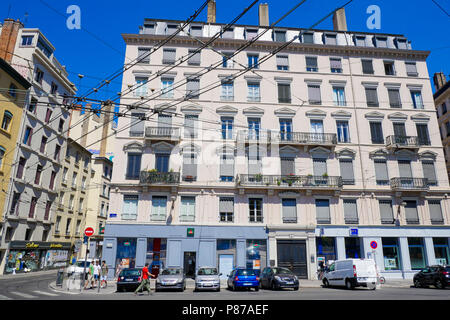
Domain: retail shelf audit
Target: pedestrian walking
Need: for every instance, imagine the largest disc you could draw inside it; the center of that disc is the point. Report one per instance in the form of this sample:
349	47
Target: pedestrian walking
104	273
97	271
119	269
145	283
90	279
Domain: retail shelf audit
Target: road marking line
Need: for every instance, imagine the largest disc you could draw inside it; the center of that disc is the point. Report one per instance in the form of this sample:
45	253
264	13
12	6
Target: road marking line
45	293
23	295
2	297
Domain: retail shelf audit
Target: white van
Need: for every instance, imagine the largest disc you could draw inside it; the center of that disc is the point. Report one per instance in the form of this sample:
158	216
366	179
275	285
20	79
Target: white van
351	273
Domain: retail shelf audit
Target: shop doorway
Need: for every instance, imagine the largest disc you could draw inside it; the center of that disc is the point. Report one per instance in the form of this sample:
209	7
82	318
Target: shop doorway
189	264
225	265
291	254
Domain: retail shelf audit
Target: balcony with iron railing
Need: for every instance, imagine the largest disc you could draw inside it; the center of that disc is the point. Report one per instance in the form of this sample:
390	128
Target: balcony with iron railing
402	142
162	133
290	181
409	184
160	178
305	138
247	136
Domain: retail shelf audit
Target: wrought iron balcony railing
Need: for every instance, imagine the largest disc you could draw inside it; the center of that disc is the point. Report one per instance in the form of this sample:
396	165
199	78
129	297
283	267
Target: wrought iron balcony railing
150	177
402	142
290	181
409	183
166	133
307	138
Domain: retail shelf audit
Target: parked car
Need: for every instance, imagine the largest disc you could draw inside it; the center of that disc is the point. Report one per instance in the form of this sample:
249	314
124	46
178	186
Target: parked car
78	267
129	279
207	278
278	278
243	278
438	276
171	278
351	273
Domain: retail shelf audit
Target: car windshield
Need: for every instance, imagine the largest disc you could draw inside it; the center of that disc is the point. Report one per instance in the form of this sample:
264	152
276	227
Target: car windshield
247	272
130	273
166	272
207	271
81	263
281	271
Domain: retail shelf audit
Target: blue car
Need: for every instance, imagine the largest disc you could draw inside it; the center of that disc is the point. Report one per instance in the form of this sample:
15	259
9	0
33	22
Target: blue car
243	278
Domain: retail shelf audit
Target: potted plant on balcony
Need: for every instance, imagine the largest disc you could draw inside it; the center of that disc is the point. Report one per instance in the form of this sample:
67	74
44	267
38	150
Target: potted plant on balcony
278	182
258	177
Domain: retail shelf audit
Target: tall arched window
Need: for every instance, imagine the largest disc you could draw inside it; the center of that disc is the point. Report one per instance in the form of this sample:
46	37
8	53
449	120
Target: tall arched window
7	118
2	154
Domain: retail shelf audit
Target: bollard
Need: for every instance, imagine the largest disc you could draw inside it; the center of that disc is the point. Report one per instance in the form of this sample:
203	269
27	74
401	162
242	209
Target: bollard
60	277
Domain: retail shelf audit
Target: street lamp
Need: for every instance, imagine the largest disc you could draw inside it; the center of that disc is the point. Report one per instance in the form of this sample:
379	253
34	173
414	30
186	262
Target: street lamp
397	221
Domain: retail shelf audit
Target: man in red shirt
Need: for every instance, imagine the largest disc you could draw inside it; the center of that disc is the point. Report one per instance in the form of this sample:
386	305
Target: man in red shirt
145	283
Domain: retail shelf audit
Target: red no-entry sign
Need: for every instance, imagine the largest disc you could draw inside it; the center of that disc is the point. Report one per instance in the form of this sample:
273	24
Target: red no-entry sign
89	231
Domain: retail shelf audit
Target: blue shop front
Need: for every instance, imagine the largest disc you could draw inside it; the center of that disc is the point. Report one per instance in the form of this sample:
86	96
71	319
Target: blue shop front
188	247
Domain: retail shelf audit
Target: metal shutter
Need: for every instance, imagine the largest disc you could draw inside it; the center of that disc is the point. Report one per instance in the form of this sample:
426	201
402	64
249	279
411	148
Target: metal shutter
195	59
287	166
435	211
350	211
411	212
404	167
371	95
314	94
386	213
227	165
381	171
226	204
137	125
347	174
320	166
289	210
429	172
394	98
323	211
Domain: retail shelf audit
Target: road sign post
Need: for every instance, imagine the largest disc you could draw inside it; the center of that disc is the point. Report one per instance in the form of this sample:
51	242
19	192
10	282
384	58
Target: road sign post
89	231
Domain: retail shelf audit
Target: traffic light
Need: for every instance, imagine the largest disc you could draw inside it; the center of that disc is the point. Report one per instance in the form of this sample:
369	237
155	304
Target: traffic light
102	230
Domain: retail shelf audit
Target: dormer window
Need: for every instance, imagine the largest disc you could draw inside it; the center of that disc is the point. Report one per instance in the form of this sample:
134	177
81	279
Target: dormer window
171	29
149	28
360	41
251	33
330	39
381	42
308	37
196	31
401	43
279	36
228	33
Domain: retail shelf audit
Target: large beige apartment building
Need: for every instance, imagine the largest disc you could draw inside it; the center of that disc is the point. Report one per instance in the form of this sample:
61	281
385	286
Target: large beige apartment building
329	149
442	102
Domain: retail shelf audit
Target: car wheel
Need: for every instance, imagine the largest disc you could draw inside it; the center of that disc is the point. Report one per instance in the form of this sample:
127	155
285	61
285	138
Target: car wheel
272	286
439	284
234	287
325	282
257	288
417	284
295	288
218	289
348	284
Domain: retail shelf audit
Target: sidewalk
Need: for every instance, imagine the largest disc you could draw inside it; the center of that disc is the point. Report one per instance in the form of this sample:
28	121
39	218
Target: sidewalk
190	284
28	274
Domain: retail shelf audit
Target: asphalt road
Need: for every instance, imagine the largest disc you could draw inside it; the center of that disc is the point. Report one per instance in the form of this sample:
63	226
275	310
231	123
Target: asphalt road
37	288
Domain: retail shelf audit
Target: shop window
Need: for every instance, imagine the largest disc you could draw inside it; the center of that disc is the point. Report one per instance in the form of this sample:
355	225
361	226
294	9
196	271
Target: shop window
353	248
391	254
256	257
416	253
441	251
156	254
126	252
326	248
22	261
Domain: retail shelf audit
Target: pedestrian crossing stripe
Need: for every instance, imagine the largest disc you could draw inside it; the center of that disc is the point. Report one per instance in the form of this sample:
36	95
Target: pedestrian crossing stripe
24	295
46	293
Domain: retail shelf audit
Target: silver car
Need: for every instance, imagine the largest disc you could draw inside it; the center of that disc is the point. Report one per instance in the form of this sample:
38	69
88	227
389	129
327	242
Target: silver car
207	278
171	278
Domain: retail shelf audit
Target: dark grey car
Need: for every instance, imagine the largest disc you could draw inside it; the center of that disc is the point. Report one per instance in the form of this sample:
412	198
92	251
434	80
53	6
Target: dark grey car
171	278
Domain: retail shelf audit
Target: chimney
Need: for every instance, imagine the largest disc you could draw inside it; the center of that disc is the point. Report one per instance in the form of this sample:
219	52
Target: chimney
339	21
211	12
439	80
263	14
8	38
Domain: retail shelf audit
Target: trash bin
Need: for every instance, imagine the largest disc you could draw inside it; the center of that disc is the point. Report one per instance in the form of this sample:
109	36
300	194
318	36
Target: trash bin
60	277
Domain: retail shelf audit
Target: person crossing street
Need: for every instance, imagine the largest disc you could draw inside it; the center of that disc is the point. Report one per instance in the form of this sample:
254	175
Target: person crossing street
145	283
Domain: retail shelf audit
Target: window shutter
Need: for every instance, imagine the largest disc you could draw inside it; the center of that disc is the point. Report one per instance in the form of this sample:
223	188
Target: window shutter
411	212
287	166
190	126
289	210
372	98
159	205
376	132
394	98
308	38
143	55
137	125
399	130
367	66
195	59
422	133
226	205
320	167
190	165
251	33
330	39
311	62
282	61
196	31
386	213
404	167
228	34
350	211
435	211
335	63
227	165
284	93
314	94
187	208
130	203
280	36
169	56
411	68
164	121
381	171
347	171
323	211
192	88
429	172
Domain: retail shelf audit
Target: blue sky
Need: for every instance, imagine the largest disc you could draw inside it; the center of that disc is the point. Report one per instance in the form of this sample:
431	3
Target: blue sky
97	50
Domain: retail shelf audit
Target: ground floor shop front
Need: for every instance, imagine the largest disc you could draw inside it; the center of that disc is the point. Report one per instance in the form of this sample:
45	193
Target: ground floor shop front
188	247
29	256
399	252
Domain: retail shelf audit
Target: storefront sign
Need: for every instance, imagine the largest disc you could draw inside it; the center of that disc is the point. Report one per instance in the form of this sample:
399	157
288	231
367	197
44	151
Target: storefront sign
31	245
56	245
354	231
39	245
